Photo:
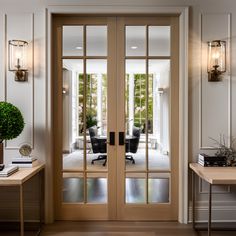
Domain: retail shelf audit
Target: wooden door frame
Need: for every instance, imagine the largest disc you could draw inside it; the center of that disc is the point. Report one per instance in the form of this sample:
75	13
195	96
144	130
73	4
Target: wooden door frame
183	13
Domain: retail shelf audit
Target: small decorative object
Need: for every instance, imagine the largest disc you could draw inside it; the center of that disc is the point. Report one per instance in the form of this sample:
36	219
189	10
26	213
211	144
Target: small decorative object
25	161
206	160
11	124
224	150
25	150
2	167
8	170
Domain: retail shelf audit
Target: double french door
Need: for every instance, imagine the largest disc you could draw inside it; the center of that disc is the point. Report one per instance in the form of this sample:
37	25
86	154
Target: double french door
115	117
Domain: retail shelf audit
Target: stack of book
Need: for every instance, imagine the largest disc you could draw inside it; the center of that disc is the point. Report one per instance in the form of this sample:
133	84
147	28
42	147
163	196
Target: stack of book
206	160
24	162
8	170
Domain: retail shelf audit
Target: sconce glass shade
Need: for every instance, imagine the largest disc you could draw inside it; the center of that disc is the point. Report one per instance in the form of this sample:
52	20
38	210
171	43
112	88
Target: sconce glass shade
216	60
64	90
17	55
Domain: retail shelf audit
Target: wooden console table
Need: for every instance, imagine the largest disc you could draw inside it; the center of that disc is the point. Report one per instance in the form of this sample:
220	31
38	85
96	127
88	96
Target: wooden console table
18	179
212	175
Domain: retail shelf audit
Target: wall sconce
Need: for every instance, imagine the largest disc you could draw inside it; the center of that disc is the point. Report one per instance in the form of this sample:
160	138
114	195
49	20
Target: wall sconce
216	63
160	91
17	59
64	91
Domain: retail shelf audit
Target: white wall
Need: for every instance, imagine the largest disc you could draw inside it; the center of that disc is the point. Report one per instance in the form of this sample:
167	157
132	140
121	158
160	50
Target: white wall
25	20
211	105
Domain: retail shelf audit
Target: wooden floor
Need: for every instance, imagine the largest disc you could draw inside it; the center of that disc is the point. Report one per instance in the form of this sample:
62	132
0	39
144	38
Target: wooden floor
117	228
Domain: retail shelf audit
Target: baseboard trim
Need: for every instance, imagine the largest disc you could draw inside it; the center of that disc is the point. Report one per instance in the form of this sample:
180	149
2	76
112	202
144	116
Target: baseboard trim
15	225
220	214
218	226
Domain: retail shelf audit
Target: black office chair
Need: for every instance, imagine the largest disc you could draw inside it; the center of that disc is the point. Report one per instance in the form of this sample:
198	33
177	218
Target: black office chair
131	145
98	145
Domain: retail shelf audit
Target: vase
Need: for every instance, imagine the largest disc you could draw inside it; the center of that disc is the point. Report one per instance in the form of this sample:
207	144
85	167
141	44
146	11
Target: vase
1	152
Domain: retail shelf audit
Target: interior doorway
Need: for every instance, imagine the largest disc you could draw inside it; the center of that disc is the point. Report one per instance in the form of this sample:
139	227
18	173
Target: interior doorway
116	117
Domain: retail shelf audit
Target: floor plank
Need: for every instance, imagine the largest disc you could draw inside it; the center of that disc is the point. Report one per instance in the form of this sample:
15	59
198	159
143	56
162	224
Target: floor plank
118	228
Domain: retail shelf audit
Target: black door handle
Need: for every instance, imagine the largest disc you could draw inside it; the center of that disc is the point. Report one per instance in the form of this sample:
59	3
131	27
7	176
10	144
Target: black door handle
121	138
112	138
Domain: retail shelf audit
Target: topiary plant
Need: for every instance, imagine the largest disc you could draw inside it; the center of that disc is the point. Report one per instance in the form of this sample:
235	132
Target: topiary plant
11	124
11	121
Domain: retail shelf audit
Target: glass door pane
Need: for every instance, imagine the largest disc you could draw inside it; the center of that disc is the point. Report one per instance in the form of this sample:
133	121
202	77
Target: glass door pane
135	188
147	118
96	113
135	114
73	133
73	188
84	89
96	40
159	188
97	188
135	40
159	40
159	115
72	40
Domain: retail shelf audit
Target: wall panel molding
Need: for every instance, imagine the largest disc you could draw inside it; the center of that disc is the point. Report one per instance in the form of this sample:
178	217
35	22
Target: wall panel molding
220	213
2	56
21	94
215	97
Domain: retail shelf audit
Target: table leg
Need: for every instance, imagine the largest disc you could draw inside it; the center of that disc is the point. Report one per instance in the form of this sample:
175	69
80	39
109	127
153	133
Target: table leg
193	199
21	211
41	200
209	210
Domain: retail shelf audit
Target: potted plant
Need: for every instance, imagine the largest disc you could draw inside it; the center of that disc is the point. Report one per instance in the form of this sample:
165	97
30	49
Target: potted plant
91	120
228	151
11	124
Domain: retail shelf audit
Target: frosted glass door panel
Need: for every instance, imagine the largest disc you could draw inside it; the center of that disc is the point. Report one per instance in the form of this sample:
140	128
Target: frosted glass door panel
97	190
73	189
158	188
72	40
159	40
135	37
135	188
96	40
